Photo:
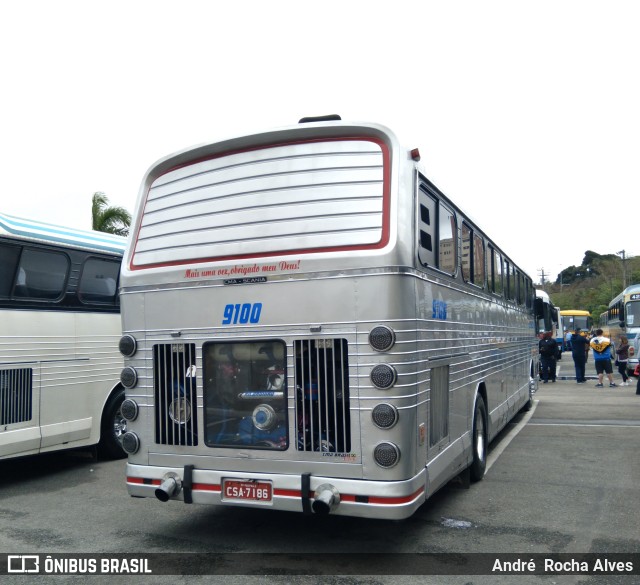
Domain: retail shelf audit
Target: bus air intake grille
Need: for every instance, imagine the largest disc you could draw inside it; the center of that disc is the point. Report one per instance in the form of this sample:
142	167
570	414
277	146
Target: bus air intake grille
15	395
174	385
322	395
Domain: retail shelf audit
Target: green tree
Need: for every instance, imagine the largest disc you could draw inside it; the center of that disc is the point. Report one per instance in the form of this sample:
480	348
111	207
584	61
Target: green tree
113	220
592	285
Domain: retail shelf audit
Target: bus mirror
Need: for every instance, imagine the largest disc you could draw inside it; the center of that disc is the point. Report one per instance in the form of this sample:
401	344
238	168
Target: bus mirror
622	325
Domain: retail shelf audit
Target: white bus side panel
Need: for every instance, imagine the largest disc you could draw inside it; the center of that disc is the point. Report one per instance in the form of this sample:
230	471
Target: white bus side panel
72	376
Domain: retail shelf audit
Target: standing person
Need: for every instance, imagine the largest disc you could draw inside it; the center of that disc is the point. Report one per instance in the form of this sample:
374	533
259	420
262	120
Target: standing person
636	372
567	339
579	351
548	348
601	347
622	351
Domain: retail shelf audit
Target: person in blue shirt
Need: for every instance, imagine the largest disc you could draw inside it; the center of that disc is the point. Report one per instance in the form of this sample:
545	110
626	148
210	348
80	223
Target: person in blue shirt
579	351
602	347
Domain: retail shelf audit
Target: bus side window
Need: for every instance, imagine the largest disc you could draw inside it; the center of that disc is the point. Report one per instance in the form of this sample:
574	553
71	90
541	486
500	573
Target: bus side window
44	275
426	228
466	257
521	292
447	257
98	281
8	261
478	260
472	257
495	271
510	284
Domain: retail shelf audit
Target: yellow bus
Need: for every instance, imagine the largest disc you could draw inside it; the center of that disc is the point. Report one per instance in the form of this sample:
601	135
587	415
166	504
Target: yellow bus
570	321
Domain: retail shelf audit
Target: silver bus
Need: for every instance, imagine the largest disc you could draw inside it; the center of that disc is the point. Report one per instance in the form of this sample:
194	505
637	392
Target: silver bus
310	325
622	317
59	329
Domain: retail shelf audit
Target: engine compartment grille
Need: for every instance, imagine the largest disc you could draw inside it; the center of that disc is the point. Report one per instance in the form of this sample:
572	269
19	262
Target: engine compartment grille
322	395
16	395
174	383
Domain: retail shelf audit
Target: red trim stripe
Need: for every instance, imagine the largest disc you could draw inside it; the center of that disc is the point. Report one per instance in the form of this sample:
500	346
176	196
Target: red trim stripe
396	500
207	487
287	493
143	481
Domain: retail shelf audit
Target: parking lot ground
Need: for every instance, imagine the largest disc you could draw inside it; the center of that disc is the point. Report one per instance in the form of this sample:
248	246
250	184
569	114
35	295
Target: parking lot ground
567	482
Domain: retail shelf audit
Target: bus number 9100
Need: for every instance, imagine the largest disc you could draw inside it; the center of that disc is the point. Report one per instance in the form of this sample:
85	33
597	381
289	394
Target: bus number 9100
241	313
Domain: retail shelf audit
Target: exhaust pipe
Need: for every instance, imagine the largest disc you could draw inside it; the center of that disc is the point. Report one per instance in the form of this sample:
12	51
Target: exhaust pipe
170	486
325	499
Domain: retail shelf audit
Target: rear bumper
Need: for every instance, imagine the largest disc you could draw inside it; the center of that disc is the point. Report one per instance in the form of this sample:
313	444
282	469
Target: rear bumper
392	500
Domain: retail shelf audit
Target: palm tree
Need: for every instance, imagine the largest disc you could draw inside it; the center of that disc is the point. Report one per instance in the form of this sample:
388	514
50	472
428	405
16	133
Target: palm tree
113	220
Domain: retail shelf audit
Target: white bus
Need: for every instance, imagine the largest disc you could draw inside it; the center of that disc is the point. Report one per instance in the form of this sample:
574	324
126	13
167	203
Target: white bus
548	316
59	330
622	317
311	325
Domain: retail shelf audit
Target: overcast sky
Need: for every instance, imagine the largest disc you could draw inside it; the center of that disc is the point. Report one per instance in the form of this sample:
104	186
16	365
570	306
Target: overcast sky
527	114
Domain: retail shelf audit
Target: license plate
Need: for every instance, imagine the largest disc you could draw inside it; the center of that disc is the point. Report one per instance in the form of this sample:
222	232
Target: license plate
246	490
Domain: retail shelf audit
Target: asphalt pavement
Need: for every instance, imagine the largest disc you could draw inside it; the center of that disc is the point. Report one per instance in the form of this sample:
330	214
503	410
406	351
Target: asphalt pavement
563	479
566	370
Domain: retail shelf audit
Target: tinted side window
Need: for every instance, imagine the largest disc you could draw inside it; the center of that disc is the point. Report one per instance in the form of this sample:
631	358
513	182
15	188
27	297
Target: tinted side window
41	275
99	281
496	272
446	239
466	255
510	276
426	228
8	261
472	256
478	260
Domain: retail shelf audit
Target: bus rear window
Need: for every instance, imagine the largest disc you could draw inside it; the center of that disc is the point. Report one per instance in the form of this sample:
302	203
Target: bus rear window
245	395
282	199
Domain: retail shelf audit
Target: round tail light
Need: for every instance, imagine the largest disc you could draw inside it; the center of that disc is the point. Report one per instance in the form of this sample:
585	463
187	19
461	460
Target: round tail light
127	345
383	376
129	409
130	442
382	338
384	416
129	377
386	454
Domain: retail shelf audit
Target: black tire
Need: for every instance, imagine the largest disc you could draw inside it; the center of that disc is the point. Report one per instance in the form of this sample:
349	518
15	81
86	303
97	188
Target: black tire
112	428
480	443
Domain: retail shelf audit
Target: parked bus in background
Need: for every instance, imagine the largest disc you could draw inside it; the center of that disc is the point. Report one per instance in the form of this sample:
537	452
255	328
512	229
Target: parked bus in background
573	319
59	362
548	317
311	325
603	323
623	318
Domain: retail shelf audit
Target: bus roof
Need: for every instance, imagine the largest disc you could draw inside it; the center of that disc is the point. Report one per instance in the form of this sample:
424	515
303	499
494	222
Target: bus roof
632	289
35	231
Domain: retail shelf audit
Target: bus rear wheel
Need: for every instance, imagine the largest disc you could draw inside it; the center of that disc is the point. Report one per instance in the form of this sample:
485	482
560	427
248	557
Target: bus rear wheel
479	463
113	426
